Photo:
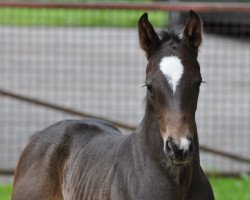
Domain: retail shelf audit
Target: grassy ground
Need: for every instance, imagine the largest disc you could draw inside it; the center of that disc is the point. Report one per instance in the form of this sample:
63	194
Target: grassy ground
231	188
5	191
73	17
224	189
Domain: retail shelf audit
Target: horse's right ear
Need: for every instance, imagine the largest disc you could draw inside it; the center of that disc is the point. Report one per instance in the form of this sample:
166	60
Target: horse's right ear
149	39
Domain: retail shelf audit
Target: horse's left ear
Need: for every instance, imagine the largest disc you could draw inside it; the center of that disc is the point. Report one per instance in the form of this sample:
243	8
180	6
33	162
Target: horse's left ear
193	29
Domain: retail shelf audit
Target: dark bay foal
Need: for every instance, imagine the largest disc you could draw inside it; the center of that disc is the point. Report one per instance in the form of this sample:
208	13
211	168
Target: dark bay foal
92	160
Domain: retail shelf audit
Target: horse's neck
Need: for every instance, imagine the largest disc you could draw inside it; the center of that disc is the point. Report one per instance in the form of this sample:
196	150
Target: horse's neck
152	144
150	132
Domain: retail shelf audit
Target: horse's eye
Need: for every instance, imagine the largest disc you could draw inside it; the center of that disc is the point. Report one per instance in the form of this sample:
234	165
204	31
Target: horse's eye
198	83
149	88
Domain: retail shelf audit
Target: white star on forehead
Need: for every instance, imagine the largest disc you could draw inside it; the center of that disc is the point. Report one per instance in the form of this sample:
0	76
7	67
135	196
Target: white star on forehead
172	68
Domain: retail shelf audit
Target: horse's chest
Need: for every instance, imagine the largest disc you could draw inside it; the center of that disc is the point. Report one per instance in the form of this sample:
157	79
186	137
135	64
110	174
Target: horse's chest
144	186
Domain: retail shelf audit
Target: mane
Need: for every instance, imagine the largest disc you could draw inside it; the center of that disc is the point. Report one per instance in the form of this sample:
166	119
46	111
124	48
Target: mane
170	36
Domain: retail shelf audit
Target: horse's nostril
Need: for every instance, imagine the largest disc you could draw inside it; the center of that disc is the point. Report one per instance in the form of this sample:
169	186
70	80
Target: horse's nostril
191	147
168	148
180	151
186	153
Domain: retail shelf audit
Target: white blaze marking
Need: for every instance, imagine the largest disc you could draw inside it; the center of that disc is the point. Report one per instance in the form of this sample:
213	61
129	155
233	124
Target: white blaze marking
172	68
185	143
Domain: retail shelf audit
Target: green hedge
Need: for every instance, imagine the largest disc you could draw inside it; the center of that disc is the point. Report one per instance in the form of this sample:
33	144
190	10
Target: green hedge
73	17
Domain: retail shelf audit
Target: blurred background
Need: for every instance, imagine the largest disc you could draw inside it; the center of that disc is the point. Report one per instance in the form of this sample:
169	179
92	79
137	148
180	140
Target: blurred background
72	59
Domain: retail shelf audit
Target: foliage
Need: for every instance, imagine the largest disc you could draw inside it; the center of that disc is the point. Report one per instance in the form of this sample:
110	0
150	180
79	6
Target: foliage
74	17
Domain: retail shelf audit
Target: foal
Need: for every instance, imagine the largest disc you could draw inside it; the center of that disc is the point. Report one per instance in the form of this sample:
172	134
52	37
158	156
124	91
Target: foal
92	160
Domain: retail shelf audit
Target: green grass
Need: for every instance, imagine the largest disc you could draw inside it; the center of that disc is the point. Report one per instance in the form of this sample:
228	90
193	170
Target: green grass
74	17
5	192
224	189
231	188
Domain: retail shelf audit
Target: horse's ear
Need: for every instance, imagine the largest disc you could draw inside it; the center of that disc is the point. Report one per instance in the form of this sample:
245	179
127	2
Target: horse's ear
149	39
193	29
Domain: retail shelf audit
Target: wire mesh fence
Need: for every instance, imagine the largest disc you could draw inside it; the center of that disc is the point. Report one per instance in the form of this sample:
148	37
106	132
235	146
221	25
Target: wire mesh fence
90	60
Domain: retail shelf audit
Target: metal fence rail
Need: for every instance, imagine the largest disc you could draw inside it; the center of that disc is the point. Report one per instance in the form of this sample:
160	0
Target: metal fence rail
182	6
98	72
116	123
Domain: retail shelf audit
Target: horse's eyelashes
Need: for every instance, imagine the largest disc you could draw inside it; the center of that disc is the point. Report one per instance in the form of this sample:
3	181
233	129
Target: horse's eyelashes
199	82
149	88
